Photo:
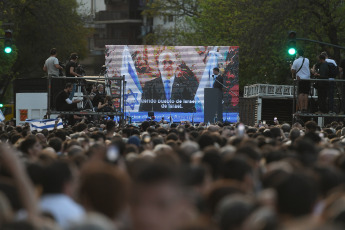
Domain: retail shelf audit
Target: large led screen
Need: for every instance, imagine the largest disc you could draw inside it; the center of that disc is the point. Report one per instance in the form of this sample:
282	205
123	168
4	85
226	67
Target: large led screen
170	80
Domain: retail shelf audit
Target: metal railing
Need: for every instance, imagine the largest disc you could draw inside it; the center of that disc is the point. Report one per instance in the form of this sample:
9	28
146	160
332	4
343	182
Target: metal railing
314	95
116	93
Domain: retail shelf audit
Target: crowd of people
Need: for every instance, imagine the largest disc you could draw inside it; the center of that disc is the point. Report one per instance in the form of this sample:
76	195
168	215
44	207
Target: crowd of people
173	176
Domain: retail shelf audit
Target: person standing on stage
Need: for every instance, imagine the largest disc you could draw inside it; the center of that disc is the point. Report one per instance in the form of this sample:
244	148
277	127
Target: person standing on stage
323	87
300	71
99	96
64	103
71	67
217	79
52	67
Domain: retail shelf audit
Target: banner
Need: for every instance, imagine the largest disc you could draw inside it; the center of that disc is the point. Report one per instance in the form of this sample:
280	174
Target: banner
49	124
2	117
170	80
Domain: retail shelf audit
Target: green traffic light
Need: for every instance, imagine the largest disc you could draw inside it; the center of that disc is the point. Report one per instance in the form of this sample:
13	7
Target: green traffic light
8	50
292	51
1	105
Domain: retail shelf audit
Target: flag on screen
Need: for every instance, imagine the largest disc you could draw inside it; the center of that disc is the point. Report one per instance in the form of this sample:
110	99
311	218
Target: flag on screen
133	87
206	79
39	125
2	117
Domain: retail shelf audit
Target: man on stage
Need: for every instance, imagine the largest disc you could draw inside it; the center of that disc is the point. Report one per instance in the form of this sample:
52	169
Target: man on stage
63	103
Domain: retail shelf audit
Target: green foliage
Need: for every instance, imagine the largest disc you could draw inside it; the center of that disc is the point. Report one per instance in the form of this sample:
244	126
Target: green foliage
42	25
260	28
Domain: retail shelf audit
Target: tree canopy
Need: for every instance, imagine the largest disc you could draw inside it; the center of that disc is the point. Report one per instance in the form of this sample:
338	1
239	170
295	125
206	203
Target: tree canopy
259	27
41	25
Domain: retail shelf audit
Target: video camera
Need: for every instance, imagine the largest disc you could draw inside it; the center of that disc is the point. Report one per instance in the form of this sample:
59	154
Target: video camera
60	70
80	70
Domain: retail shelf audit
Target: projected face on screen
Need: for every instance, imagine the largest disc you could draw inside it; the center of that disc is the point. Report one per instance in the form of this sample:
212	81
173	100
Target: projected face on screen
189	70
167	64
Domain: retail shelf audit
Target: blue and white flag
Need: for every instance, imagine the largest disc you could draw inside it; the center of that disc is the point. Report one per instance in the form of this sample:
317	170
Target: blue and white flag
2	117
207	80
133	87
39	125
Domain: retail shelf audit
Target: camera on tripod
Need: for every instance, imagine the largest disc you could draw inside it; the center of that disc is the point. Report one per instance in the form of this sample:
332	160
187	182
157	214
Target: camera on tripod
80	70
63	67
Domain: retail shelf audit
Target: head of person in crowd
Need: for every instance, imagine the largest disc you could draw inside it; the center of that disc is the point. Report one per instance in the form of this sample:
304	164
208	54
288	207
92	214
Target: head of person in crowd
233	210
311	126
31	147
156	202
104	189
56	144
296	195
58	178
238	169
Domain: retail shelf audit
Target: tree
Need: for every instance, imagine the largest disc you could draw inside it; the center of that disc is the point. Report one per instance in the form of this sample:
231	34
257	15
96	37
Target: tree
260	29
6	63
42	25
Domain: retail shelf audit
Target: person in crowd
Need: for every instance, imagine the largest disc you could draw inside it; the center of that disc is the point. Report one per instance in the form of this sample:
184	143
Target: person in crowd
174	176
58	190
30	147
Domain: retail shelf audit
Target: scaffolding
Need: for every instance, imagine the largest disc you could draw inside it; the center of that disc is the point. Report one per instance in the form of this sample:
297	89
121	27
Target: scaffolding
114	87
339	103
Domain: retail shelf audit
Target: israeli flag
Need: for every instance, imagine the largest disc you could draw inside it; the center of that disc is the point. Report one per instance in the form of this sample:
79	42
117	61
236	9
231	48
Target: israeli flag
39	125
2	117
206	79
133	87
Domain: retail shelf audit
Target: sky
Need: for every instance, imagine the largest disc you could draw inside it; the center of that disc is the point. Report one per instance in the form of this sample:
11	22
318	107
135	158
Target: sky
86	5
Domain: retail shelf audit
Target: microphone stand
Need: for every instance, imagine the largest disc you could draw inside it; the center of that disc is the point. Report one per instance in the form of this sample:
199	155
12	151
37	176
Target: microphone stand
224	86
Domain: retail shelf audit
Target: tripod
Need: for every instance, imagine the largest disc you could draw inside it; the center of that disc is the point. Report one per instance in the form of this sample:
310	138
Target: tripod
81	88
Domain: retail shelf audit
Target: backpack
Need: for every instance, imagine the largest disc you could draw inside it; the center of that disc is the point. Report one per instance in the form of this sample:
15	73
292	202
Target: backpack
333	70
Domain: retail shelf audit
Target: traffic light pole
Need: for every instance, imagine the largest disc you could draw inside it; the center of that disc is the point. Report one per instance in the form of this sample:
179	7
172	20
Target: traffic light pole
322	43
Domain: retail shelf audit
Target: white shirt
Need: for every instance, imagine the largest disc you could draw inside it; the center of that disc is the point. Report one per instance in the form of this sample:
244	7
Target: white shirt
304	73
63	208
331	61
50	64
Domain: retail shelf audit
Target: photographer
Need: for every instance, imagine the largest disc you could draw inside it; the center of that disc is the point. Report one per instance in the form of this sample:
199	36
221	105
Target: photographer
106	106
71	68
322	87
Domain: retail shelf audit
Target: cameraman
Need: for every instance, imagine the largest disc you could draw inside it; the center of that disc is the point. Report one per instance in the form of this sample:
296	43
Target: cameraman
322	87
52	67
71	67
106	106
